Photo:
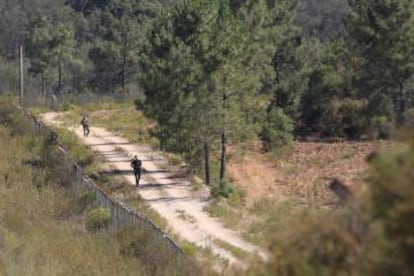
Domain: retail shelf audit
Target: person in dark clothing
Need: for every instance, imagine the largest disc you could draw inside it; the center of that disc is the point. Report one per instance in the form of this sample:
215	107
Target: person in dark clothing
136	166
85	125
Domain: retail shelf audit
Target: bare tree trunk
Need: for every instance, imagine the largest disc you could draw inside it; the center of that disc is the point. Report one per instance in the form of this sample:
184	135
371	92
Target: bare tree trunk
59	89
123	72
223	144
21	74
207	162
402	99
42	80
223	157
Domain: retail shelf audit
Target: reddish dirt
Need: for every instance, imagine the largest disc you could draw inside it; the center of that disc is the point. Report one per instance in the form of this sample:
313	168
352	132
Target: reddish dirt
256	176
306	170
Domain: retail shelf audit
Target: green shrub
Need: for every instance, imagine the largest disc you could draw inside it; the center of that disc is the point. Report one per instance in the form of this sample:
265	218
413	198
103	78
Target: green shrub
233	195
237	198
175	159
189	248
392	208
372	235
277	130
39	228
224	191
136	243
7	109
68	107
86	199
98	219
228	215
380	105
153	254
344	118
381	127
408	118
82	154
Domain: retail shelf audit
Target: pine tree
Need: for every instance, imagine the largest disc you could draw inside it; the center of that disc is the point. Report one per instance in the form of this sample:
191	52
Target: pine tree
381	43
200	73
271	25
49	45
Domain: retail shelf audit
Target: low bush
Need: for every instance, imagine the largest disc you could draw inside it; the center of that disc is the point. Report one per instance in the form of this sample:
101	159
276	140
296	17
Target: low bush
223	191
408	118
82	154
277	130
344	118
222	209
98	219
42	229
372	235
189	248
381	128
155	256
40	233
87	199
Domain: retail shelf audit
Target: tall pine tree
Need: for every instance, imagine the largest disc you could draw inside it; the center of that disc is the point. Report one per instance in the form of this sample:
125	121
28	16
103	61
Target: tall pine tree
381	43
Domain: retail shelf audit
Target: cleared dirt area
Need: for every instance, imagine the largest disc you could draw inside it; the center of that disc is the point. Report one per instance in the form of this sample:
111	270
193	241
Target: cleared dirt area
307	169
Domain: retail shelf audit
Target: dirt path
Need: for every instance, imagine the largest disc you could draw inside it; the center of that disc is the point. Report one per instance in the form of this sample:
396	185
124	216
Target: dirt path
173	199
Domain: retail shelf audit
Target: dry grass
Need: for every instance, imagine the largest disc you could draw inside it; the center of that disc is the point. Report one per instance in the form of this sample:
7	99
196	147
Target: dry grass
39	232
42	228
236	251
304	172
114	185
283	190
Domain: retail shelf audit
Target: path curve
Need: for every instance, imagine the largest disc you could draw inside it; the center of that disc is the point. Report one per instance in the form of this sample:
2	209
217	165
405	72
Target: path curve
169	197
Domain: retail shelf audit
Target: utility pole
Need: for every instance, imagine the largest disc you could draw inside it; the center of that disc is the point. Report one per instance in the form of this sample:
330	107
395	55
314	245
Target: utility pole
21	75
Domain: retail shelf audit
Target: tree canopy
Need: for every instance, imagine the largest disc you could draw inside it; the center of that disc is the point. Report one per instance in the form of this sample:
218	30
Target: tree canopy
217	73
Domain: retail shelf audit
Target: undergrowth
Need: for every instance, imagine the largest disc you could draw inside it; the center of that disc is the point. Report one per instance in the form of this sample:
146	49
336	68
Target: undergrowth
43	211
371	235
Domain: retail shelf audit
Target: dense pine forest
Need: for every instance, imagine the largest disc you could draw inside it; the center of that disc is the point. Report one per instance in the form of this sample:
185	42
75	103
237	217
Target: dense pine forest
217	74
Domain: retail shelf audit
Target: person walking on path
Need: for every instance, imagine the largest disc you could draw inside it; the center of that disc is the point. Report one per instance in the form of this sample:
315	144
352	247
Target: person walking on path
136	166
85	125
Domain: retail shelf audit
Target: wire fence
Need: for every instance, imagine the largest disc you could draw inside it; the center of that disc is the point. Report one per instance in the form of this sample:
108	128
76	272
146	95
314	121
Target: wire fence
122	214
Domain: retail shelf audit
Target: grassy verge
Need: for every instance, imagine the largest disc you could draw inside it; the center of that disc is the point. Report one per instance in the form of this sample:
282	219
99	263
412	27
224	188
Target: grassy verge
42	226
119	117
237	252
229	215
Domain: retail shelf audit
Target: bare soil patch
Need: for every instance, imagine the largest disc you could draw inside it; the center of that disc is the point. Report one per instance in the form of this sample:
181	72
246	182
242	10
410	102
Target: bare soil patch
307	169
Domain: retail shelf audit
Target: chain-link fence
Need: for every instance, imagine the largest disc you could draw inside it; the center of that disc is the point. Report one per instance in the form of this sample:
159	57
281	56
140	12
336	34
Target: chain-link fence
121	213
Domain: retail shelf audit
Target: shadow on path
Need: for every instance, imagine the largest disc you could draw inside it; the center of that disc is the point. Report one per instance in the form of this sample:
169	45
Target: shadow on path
151	186
169	199
109	144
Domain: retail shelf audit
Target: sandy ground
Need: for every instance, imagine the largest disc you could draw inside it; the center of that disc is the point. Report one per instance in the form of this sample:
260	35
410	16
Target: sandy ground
174	199
308	168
